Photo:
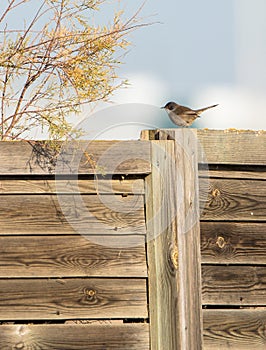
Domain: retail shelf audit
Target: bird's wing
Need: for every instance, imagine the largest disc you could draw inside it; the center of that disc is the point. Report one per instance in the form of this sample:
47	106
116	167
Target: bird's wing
182	110
190	112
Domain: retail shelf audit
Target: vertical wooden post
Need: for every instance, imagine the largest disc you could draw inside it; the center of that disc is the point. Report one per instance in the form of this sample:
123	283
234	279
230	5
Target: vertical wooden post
173	242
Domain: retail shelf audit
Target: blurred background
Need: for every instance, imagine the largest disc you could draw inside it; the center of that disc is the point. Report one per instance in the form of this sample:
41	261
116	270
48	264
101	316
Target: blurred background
201	53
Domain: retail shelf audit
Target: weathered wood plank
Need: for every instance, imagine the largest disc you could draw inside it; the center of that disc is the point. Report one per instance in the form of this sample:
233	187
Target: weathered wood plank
233	174
233	199
224	146
173	245
78	337
71	256
71	186
188	237
72	298
84	157
233	242
233	146
162	274
51	214
234	285
234	329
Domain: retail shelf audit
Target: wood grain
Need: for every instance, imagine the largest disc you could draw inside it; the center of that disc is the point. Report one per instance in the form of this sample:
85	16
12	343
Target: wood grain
233	146
71	186
173	245
233	199
51	214
234	285
161	247
72	298
234	329
71	256
78	337
186	204
84	157
234	174
247	147
233	242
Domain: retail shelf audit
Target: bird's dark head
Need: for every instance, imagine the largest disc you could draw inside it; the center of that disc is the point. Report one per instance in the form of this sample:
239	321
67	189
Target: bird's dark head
170	106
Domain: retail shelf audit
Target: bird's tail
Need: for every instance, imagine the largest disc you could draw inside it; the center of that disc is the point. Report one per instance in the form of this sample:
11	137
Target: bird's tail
199	111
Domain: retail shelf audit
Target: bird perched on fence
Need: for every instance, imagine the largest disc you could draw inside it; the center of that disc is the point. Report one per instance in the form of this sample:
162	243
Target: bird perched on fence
183	116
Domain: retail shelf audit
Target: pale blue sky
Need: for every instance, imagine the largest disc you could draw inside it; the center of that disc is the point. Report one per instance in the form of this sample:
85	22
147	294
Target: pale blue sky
191	48
202	52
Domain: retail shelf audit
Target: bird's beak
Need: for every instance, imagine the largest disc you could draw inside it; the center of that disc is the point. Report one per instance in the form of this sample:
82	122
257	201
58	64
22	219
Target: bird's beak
162	107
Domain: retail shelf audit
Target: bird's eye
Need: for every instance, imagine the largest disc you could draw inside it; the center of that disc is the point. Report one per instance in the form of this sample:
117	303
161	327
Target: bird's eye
171	107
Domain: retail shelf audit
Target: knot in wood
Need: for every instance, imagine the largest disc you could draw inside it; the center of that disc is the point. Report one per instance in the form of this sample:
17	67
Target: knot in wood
221	242
90	293
174	257
216	192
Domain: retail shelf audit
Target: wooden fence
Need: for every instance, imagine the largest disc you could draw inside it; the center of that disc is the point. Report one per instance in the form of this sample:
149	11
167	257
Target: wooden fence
151	244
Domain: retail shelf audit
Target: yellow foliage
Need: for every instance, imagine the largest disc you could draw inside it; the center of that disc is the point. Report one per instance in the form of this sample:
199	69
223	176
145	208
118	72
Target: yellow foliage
47	71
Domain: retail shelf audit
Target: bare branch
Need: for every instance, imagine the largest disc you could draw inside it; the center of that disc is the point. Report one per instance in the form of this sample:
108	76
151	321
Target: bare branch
7	10
56	64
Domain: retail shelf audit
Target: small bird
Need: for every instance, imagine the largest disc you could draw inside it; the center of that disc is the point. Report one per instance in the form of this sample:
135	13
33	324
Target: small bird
183	116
